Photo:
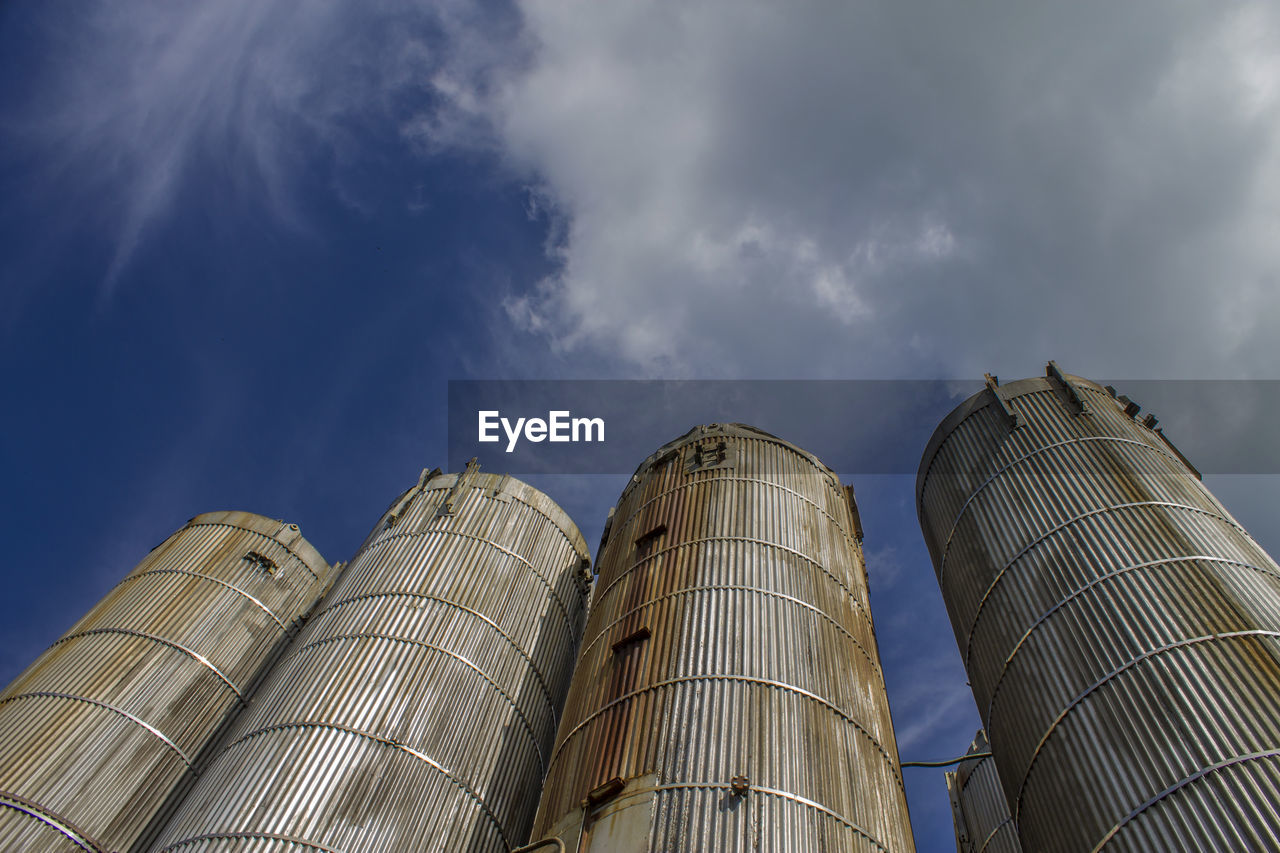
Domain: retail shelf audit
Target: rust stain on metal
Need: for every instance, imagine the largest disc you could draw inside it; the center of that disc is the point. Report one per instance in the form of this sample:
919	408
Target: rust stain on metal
737	552
1112	614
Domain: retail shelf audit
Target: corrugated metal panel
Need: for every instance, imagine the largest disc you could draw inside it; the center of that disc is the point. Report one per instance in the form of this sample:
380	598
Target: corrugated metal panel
418	709
729	694
982	820
101	734
1120	629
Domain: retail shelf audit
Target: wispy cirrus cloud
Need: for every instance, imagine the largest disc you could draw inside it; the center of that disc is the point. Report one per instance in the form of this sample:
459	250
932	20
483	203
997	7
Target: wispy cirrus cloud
132	99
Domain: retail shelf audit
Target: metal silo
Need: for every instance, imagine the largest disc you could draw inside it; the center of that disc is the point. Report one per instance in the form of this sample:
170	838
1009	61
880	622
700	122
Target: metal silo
102	733
417	710
728	696
981	815
1120	629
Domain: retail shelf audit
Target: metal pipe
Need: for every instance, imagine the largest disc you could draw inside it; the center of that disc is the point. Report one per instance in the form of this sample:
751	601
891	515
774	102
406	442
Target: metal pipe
543	843
948	763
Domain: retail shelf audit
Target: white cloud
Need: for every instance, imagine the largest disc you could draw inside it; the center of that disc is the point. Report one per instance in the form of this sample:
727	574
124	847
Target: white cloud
938	709
743	188
870	189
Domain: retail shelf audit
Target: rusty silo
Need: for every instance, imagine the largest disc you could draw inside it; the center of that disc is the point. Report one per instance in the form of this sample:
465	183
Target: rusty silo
729	694
978	807
101	734
417	710
1120	630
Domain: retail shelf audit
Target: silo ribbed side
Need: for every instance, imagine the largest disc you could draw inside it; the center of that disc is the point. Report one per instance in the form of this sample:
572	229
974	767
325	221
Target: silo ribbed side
417	710
729	694
982	820
108	726
1120	629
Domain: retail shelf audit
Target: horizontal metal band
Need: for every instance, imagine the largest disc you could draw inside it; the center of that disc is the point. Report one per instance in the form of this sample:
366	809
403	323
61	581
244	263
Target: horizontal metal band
619	525
758	789
986	842
251	836
427	534
986	596
1111	676
1111	439
733	587
533	738
53	820
194	655
403	747
542	681
45	694
218	581
1191	558
597	598
1182	783
745	679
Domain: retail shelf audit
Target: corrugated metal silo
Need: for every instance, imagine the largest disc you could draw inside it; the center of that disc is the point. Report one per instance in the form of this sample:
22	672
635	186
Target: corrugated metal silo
104	731
1120	629
417	710
981	815
729	694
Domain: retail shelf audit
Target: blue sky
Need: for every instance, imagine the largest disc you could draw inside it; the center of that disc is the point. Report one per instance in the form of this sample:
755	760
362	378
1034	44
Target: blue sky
246	244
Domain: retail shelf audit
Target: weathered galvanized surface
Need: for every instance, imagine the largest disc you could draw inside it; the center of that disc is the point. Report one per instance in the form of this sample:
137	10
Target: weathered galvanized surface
729	694
418	708
104	731
982	820
1121	631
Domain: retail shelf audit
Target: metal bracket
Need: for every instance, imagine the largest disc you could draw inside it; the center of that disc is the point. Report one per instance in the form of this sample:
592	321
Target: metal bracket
1130	408
450	500
706	456
853	511
1052	371
639	635
645	543
993	385
607	791
499	491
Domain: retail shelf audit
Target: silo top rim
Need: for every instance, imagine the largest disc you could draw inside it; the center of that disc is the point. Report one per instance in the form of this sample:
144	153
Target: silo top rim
287	535
509	485
976	403
735	430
